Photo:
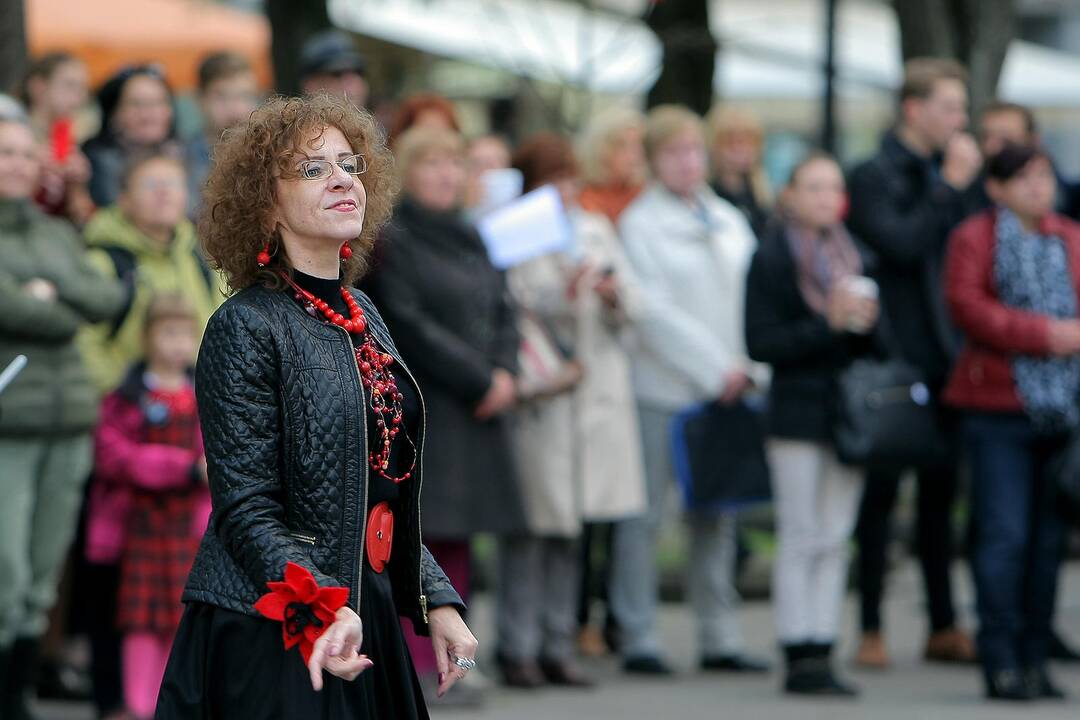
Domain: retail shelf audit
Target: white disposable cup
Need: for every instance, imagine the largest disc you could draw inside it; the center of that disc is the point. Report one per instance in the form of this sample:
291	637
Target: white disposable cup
865	288
862	286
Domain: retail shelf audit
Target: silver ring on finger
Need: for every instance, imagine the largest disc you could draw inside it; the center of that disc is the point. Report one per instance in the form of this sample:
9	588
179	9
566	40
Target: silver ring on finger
464	663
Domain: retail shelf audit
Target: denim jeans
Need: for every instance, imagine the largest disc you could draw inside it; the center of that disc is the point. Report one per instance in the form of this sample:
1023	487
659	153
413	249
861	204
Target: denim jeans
1018	538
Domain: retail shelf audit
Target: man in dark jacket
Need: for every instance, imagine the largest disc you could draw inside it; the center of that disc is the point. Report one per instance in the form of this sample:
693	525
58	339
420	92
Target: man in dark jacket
904	202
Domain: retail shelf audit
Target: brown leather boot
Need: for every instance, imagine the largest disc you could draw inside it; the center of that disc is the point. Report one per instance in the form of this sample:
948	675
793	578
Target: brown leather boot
950	646
872	654
590	642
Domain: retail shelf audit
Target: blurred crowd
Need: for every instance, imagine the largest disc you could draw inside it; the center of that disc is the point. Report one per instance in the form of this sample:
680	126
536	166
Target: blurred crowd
944	268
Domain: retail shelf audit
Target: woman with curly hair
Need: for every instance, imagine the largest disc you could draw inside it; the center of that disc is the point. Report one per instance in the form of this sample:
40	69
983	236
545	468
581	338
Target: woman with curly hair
314	431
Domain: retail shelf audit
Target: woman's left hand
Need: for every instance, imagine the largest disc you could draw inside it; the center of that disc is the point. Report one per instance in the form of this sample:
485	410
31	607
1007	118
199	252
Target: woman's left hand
451	638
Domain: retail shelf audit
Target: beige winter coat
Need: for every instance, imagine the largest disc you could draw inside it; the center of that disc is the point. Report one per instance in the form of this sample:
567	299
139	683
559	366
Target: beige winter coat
580	453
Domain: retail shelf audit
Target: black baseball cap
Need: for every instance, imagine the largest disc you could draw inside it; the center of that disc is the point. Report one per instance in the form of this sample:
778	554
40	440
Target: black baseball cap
330	51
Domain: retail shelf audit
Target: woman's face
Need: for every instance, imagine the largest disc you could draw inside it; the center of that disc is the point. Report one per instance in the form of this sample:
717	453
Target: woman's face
436	180
64	92
172	344
679	163
625	157
737	150
1030	193
329	210
228	101
816	195
487	153
144	114
155	198
20	163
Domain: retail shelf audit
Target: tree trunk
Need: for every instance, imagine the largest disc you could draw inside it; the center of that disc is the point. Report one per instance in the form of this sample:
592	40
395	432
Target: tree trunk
12	44
686	74
975	32
291	23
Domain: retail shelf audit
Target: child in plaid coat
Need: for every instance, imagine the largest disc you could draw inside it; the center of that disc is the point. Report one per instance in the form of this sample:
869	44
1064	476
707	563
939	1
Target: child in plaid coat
149	456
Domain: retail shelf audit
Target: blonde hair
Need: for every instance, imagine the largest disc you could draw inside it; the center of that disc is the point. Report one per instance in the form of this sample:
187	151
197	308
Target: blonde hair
726	120
665	122
421	141
598	138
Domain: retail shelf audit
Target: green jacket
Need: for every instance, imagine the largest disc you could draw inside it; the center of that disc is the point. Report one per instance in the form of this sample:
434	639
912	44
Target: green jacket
110	348
53	395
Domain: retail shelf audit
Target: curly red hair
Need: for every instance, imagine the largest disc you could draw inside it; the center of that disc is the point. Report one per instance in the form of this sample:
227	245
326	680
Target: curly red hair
241	191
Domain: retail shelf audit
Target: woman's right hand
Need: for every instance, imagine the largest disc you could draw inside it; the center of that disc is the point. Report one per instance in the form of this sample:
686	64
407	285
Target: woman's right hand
500	397
1064	337
338	650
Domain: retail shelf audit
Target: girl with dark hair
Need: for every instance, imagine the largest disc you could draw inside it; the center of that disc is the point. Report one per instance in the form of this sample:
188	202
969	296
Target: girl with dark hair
136	117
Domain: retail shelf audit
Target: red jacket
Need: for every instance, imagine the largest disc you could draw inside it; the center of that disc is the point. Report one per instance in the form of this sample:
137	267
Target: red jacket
982	377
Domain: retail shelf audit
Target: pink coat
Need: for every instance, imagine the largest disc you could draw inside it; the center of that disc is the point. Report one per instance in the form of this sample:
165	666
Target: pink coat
122	464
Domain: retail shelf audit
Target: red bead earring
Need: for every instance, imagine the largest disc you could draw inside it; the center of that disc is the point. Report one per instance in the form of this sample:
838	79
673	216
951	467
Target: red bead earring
346	252
263	258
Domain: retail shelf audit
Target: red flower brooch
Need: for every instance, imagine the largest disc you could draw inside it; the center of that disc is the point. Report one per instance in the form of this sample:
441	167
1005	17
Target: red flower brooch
304	609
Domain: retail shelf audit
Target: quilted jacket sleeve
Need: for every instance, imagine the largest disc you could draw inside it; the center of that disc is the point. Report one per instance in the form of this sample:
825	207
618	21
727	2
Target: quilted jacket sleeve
436	586
237	387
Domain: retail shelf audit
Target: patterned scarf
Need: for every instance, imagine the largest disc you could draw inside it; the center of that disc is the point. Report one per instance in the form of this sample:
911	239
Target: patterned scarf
822	259
1032	273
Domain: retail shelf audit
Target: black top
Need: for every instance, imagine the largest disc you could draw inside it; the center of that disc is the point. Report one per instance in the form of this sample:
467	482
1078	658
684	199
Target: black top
806	355
904	211
451	316
283	419
745	202
380	489
215	640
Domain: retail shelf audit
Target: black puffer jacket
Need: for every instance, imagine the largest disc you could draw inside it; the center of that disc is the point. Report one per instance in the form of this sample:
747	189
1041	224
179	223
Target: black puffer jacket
284	423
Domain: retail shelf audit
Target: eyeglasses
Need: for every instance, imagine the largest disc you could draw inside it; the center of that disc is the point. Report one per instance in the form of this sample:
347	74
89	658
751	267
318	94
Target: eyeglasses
355	165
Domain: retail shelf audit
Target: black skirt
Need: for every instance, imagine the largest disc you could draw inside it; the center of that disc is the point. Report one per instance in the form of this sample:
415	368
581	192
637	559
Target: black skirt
225	665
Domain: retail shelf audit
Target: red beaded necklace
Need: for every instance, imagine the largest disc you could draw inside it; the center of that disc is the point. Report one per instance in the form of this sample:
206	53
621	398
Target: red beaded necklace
384	397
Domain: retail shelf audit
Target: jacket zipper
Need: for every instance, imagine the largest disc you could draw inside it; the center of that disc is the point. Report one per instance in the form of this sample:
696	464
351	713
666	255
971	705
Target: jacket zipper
358	548
420	483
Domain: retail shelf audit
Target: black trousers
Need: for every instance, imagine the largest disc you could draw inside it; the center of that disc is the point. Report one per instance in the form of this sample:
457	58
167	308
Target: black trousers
595	570
937	490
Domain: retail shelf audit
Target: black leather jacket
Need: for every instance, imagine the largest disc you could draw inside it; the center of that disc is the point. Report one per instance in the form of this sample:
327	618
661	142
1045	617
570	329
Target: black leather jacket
284	424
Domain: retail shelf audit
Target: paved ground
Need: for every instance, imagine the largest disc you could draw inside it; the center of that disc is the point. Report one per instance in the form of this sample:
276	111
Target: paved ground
911	690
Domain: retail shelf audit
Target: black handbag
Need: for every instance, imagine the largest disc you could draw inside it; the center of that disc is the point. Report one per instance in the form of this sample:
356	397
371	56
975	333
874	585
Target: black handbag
887	415
718	452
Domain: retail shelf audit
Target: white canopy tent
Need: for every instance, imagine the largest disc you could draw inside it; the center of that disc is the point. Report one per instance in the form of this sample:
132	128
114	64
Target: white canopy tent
769	48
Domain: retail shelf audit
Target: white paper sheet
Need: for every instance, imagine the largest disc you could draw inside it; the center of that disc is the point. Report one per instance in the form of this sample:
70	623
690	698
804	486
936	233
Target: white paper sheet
534	224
